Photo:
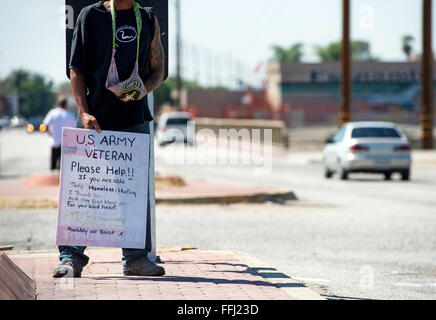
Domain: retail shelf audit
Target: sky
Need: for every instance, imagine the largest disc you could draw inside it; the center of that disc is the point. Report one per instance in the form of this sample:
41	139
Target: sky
225	34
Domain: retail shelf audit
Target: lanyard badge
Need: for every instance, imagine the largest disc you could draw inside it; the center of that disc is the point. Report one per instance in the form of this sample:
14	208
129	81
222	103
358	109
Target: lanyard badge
132	89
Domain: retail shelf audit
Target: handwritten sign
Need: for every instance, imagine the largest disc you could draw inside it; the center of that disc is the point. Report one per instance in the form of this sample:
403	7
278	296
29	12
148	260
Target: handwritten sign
103	189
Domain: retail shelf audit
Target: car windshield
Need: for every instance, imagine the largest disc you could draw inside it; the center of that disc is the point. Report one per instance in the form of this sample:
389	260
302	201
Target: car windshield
177	121
375	132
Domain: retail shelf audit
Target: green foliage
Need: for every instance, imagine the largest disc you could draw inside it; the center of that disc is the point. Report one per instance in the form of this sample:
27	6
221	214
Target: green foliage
407	45
360	51
162	94
35	92
331	52
292	54
65	87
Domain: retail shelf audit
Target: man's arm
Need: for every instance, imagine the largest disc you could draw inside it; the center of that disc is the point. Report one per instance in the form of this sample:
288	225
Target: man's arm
78	87
157	61
47	121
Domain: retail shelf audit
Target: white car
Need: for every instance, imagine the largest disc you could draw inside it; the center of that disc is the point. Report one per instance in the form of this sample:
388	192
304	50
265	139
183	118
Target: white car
376	147
175	127
18	122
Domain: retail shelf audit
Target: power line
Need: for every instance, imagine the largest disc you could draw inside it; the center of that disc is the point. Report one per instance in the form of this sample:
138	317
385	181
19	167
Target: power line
249	29
210	68
261	26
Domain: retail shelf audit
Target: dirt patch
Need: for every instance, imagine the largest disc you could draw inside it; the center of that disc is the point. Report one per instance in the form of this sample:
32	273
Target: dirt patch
28	203
168	181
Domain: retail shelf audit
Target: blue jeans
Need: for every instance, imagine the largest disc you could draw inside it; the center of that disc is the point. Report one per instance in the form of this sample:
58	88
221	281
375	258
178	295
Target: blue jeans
76	253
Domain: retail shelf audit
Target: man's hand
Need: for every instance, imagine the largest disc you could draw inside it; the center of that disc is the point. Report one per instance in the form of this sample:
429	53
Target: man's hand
90	122
79	92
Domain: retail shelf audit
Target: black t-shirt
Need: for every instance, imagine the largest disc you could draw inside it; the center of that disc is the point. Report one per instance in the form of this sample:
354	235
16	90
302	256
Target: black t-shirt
91	53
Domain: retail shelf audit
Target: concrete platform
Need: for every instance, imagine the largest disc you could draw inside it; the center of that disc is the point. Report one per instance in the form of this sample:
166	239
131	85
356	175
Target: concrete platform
190	275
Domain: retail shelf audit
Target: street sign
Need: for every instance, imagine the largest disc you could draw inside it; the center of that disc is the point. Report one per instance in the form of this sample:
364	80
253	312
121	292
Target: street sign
73	8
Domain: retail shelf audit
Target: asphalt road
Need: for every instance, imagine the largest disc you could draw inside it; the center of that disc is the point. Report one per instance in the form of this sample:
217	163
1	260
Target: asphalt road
362	238
359	239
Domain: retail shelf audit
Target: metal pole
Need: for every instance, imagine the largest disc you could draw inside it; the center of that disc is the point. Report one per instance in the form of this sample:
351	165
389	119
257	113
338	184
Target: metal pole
151	181
179	54
427	78
346	84
15	102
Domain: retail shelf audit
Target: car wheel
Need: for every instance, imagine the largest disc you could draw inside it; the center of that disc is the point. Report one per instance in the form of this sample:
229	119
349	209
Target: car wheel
342	173
388	175
328	173
405	175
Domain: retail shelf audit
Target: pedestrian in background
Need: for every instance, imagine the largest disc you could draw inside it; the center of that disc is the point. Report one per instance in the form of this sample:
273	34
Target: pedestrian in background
56	119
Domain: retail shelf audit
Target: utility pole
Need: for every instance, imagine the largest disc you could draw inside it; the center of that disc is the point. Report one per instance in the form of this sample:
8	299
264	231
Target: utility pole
427	78
346	81
15	102
179	53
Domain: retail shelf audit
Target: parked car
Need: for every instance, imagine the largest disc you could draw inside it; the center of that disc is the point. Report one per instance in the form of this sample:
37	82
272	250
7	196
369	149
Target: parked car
175	127
376	147
18	122
35	124
5	122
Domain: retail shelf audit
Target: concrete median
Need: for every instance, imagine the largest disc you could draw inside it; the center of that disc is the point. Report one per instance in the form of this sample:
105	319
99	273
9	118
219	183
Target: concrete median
26	193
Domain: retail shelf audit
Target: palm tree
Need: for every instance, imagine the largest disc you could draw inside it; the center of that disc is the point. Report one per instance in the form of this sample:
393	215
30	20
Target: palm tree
407	46
360	51
292	54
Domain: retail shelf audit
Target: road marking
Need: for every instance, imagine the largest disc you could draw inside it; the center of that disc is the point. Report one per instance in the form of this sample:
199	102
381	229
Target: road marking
405	284
310	279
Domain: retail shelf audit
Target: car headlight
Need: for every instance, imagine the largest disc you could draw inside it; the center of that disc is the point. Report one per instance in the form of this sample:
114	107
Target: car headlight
42	127
30	128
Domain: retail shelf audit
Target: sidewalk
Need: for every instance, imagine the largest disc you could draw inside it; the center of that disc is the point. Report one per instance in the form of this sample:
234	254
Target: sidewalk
190	275
42	191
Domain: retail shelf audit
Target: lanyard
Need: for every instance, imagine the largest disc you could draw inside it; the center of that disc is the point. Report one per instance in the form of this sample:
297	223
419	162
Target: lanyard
136	7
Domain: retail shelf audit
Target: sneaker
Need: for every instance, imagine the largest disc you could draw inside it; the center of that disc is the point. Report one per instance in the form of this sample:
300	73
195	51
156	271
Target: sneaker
144	267
67	268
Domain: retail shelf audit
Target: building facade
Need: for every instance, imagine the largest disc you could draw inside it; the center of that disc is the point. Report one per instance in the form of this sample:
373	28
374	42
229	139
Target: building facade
311	91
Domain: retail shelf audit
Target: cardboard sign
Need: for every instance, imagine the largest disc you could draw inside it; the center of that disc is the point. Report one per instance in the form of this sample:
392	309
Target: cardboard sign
103	189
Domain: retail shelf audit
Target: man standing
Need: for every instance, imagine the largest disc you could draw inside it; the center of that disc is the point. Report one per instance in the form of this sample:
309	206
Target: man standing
117	58
55	120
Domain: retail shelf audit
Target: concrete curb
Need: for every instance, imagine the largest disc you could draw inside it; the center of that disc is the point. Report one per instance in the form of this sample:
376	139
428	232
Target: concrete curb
52	203
274	196
294	289
14	283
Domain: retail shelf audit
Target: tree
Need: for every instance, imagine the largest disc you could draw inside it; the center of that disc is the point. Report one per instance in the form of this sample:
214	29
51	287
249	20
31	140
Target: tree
65	87
331	52
360	51
407	45
292	54
162	94
36	95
